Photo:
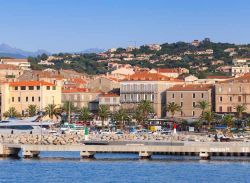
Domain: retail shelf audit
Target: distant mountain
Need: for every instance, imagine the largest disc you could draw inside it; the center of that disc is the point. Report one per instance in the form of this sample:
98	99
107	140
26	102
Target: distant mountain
93	50
8	51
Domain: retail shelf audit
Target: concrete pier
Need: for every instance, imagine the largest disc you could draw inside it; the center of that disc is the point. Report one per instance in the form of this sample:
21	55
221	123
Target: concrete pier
202	149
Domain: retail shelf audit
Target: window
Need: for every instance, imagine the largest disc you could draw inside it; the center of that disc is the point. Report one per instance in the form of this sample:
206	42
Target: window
23	87
229	109
33	99
173	95
220	99
39	99
194	104
240	89
202	95
239	98
220	109
48	87
19	99
181	113
54	88
27	99
229	89
230	99
13	99
181	95
31	87
220	89
193	113
193	95
181	104
38	87
16	87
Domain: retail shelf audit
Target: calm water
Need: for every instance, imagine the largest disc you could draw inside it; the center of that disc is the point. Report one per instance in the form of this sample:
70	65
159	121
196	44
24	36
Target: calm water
122	168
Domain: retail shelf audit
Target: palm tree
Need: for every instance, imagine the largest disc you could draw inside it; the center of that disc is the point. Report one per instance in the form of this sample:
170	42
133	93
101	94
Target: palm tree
11	113
103	113
209	117
138	116
120	116
228	119
85	114
52	110
203	105
146	107
240	110
173	108
32	110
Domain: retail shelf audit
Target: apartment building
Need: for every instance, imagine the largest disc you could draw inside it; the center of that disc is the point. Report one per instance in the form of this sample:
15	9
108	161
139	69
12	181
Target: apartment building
21	94
233	92
82	97
111	100
188	96
22	63
146	86
240	70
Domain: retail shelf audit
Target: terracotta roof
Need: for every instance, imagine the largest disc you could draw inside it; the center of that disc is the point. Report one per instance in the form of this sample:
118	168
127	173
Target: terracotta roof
14	60
146	76
218	77
110	95
191	87
78	81
8	67
31	83
244	78
167	70
79	90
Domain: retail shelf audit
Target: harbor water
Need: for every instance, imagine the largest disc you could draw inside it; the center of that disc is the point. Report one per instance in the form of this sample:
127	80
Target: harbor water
68	167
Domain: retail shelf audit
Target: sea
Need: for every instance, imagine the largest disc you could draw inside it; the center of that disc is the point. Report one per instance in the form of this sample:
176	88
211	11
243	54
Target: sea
67	167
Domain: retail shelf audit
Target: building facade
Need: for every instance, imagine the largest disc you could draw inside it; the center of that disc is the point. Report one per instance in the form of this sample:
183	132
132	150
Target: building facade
233	92
22	94
188	96
111	100
146	86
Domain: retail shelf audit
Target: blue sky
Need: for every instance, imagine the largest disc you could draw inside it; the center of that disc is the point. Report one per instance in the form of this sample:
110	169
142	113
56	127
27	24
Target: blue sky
75	25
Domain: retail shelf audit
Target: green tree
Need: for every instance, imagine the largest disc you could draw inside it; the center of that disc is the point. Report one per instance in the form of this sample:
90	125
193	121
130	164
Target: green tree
208	116
32	110
103	113
202	105
44	56
11	113
53	110
85	114
173	108
240	109
228	120
121	116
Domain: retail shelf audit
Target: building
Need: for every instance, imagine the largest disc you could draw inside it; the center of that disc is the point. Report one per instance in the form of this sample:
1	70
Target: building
121	73
9	72
232	92
154	47
22	94
104	84
146	86
173	73
111	100
22	63
188	96
240	61
195	43
82	97
240	70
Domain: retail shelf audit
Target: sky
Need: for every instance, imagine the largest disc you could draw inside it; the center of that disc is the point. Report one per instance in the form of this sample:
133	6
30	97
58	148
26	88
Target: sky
76	25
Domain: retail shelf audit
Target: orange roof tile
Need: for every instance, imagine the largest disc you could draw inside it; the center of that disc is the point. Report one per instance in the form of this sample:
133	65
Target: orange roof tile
146	76
31	83
191	87
244	78
8	67
218	77
167	70
78	81
14	60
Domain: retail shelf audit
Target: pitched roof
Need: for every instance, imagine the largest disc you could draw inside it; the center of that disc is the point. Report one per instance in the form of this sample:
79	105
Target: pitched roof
13	60
146	76
191	87
78	80
31	83
244	78
167	70
8	67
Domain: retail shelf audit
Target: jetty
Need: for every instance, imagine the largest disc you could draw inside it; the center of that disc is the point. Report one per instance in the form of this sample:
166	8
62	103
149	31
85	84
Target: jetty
144	149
